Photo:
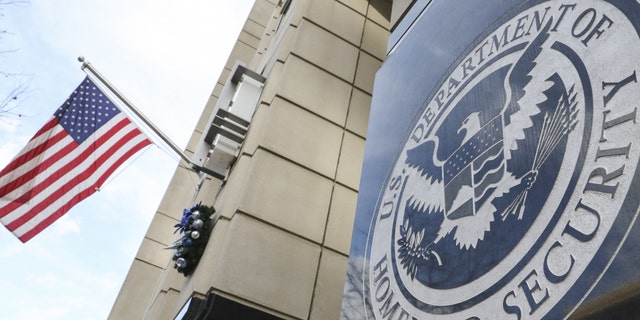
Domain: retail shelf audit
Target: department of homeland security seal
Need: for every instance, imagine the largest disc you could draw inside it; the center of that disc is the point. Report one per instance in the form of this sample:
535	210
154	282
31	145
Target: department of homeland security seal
515	174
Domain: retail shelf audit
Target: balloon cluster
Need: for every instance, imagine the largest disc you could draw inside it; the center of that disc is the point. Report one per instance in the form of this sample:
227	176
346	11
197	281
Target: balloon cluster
195	229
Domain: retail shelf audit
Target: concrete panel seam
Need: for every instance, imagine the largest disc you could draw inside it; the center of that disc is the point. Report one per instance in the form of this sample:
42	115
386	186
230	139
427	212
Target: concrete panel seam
260	147
248	45
153	240
275	226
334	34
149	264
334	251
325	70
383	27
254	21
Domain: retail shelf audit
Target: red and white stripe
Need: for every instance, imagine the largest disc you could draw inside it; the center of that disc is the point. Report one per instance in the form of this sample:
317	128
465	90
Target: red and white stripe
53	173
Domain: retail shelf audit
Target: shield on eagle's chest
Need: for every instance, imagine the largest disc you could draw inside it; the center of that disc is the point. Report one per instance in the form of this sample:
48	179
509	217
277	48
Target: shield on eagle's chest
473	171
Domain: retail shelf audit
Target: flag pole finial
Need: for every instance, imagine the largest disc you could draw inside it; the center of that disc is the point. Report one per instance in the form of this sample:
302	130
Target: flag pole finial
83	61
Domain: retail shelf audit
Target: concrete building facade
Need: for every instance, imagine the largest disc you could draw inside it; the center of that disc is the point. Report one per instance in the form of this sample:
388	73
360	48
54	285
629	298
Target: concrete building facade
285	197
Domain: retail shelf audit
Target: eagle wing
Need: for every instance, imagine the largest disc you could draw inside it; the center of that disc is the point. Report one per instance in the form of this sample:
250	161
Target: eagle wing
425	176
424	211
523	102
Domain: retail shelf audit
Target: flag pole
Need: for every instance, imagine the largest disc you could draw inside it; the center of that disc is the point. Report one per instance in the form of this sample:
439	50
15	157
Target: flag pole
87	65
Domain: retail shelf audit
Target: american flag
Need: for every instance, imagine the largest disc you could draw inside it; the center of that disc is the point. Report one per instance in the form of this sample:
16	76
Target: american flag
66	161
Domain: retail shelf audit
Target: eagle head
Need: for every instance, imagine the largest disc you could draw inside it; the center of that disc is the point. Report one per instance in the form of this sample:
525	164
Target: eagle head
471	125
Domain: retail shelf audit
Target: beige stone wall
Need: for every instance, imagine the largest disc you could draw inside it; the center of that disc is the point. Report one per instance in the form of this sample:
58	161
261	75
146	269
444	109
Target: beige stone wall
151	280
286	211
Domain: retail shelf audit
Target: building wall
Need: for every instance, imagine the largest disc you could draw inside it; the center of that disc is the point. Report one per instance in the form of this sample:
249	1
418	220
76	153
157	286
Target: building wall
151	264
286	210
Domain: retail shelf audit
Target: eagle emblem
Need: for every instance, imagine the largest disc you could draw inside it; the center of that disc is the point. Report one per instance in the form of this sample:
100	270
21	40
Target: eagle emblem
475	172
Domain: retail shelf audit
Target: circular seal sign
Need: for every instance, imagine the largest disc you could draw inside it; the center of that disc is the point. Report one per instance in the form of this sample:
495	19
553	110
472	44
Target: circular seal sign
515	174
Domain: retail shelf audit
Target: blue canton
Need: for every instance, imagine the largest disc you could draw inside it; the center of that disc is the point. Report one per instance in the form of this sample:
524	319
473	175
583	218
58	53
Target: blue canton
86	110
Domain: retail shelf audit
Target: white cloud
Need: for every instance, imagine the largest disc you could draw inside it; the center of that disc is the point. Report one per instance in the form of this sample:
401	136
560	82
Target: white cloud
9	125
9	148
67	224
46	280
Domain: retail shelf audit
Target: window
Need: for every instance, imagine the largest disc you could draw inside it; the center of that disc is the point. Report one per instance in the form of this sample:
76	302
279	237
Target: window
214	307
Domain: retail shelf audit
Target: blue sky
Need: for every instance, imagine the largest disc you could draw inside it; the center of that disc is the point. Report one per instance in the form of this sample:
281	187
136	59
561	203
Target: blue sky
165	56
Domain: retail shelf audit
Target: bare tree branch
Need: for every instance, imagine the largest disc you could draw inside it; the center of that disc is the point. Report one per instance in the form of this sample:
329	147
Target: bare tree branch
354	297
14	2
12	101
14	96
